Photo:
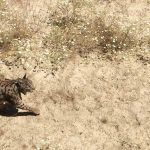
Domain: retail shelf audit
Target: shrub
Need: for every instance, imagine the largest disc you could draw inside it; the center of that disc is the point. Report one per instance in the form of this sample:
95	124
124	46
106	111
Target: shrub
15	26
72	33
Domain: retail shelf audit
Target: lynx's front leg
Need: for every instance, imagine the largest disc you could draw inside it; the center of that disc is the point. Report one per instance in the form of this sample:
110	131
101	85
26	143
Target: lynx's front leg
19	104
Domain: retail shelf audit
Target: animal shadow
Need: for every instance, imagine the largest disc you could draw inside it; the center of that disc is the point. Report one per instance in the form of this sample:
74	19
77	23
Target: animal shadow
13	112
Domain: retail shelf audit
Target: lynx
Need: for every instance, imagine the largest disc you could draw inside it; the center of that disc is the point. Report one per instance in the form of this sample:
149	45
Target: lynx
11	90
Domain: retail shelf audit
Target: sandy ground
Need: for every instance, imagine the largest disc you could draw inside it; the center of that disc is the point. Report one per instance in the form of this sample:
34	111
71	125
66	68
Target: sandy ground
96	105
91	104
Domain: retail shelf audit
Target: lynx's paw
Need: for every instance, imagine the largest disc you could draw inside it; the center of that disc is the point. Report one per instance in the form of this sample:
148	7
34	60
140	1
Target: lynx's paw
36	111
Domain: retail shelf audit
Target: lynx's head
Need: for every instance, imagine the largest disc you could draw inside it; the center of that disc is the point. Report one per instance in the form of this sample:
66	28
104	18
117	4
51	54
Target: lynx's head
25	85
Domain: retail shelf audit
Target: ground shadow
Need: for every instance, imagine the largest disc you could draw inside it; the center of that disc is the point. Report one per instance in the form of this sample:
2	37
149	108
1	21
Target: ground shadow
26	114
13	112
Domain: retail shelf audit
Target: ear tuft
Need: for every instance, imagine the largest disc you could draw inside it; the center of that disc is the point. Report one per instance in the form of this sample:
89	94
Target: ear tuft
25	76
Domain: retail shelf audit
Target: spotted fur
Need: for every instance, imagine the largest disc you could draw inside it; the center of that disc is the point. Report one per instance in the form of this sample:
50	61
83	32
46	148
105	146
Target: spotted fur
11	90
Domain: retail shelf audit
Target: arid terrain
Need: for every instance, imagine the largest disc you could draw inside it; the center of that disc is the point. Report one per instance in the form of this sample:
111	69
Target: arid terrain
91	96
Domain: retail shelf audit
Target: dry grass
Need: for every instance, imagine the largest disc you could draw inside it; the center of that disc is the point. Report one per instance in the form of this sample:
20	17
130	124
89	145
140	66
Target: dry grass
48	38
76	27
73	33
16	25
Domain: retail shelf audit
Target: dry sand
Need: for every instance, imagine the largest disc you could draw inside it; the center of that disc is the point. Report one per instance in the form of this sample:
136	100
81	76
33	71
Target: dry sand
92	105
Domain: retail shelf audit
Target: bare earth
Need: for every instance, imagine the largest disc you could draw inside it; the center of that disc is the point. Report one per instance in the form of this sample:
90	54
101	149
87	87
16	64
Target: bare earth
90	104
86	106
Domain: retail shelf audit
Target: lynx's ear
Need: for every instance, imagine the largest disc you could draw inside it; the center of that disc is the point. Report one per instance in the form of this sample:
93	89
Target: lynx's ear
25	76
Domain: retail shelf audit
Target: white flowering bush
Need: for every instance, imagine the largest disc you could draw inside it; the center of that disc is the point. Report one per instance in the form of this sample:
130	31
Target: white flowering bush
75	34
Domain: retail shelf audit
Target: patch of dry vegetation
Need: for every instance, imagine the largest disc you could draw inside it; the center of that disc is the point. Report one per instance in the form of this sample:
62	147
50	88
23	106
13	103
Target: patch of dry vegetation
73	33
72	27
13	28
